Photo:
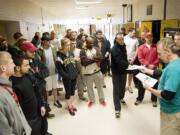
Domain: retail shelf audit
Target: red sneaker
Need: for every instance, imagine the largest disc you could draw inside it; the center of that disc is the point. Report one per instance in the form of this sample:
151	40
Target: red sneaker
71	111
103	103
90	103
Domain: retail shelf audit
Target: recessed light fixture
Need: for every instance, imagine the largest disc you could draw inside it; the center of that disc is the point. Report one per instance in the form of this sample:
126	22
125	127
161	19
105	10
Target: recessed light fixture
88	2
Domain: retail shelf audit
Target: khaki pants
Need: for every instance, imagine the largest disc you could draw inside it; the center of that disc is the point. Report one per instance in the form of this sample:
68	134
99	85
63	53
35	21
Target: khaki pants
97	80
80	85
170	123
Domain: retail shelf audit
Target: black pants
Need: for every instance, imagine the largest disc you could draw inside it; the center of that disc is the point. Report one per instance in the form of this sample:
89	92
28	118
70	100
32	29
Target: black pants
35	126
44	125
141	90
119	84
70	86
108	66
104	66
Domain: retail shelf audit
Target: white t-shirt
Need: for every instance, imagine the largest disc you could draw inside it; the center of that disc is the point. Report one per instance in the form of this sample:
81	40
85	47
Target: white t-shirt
49	60
77	53
56	43
131	45
91	53
100	44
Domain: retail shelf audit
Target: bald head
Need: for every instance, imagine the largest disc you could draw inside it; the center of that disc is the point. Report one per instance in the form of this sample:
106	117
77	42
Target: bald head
90	42
6	65
4	57
53	35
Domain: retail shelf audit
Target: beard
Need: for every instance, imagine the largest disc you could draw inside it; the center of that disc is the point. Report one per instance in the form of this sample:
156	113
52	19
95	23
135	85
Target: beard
149	41
89	46
72	38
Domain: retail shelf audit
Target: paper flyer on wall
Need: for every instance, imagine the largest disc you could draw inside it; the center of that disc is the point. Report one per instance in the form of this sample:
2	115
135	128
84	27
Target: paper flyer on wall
146	79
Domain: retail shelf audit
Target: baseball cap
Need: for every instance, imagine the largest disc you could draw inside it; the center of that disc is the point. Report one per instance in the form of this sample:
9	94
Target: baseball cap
45	37
28	46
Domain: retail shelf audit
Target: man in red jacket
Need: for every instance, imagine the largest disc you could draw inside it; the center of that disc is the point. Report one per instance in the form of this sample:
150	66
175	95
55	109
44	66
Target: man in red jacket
147	56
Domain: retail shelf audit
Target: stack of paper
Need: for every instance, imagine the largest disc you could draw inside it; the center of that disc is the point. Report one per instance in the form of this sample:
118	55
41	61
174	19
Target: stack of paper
135	67
146	79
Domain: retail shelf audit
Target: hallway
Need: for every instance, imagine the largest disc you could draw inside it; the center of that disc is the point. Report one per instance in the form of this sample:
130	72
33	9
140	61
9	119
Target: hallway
99	120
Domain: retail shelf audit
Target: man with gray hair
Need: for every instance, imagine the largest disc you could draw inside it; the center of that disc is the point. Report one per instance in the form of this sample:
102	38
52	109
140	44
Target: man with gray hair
169	88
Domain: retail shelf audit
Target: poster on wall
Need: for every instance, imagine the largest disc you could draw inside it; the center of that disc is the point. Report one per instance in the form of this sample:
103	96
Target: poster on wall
168	24
146	27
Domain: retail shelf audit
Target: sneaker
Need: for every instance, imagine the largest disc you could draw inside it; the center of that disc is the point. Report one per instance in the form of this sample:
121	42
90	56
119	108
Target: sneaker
103	103
57	104
90	103
137	102
154	104
117	114
130	89
123	102
83	98
75	109
71	111
49	115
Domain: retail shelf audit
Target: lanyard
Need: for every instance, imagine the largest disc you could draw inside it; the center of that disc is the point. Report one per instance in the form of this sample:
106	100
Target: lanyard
13	94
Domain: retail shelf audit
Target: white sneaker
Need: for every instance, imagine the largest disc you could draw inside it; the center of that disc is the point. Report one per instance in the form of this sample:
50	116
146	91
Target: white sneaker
117	114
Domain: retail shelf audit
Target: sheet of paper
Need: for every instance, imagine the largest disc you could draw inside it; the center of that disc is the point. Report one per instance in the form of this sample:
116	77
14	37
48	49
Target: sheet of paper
135	67
146	79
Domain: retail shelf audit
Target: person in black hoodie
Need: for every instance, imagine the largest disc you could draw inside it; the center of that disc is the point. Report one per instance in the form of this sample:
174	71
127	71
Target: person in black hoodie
119	64
67	67
38	73
27	95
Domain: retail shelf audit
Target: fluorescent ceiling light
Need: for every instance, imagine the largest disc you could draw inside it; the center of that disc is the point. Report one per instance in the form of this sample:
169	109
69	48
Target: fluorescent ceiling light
88	2
82	7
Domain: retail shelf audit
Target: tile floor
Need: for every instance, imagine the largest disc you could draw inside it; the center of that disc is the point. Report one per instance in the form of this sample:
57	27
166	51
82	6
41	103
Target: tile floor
99	120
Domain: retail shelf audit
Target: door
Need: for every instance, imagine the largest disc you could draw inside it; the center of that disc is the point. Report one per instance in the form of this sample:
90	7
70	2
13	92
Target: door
156	29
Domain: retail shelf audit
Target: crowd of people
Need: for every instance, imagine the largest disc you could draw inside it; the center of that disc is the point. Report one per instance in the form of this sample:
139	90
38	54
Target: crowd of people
32	70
